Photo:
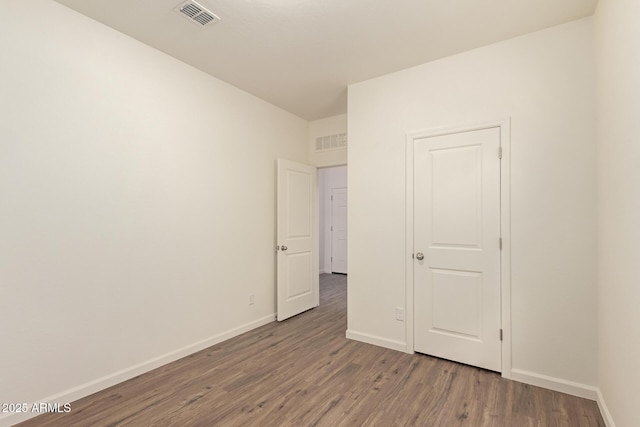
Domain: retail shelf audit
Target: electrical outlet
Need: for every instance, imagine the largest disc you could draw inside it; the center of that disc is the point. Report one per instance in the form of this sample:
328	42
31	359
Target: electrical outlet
252	299
400	314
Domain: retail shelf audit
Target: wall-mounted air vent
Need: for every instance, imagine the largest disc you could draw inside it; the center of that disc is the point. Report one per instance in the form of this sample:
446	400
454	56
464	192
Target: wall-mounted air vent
197	13
331	142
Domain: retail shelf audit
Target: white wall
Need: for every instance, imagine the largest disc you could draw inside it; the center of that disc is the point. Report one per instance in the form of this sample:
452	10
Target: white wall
544	81
618	58
133	187
329	126
328	179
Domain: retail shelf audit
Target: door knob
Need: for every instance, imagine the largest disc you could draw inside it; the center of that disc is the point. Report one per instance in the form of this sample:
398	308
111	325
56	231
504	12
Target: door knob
420	256
284	248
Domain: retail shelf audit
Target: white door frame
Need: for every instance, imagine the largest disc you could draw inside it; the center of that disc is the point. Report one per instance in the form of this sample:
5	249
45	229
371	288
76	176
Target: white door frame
505	227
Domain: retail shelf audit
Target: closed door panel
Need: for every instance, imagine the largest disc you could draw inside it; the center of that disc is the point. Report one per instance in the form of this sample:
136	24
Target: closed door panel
456	297
297	275
299	280
456	233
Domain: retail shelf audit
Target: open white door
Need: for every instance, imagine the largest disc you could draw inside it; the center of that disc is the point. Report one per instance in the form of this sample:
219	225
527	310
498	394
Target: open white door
457	247
297	247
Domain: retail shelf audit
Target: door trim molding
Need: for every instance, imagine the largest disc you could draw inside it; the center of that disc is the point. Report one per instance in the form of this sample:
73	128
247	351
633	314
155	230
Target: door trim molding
505	229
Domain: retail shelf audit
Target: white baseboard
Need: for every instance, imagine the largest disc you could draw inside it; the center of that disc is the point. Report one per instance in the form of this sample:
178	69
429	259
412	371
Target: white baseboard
325	271
376	340
94	386
556	384
604	410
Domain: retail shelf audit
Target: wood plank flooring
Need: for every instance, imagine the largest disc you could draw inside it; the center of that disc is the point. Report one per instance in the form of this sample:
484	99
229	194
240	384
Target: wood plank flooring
304	372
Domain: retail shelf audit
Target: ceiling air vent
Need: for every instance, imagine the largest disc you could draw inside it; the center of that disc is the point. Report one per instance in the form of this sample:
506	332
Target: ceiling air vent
331	142
197	13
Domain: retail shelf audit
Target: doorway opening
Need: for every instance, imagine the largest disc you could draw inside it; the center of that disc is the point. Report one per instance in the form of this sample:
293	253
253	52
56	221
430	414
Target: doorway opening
332	205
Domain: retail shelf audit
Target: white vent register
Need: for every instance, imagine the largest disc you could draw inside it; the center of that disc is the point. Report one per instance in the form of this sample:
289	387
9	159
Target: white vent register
331	142
197	13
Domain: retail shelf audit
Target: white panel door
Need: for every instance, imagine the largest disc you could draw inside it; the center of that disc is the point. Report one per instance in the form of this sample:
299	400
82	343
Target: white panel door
339	230
297	235
457	247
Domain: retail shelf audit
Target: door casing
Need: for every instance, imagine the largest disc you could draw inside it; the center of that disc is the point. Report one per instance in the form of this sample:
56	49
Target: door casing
505	227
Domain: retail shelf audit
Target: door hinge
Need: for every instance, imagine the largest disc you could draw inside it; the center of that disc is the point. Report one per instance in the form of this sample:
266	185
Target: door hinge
332	228
499	152
500	334
413	256
331	197
500	243
331	259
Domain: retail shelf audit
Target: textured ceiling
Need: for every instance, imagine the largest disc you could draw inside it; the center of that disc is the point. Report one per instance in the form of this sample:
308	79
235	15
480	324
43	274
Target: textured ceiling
301	54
